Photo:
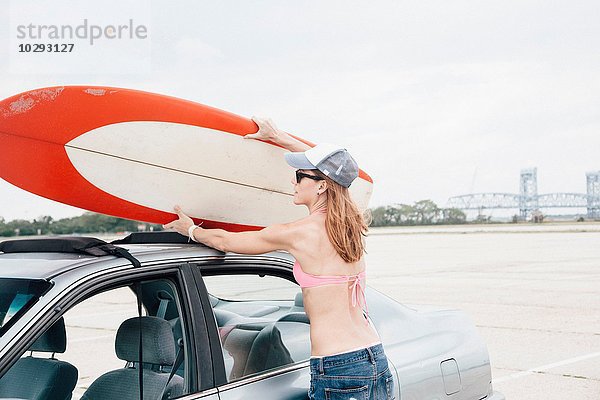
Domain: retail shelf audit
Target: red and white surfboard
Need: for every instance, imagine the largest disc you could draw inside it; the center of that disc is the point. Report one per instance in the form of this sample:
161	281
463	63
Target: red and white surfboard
134	155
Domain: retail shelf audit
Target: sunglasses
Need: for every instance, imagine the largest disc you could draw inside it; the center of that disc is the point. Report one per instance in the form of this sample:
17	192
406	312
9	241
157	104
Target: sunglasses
300	175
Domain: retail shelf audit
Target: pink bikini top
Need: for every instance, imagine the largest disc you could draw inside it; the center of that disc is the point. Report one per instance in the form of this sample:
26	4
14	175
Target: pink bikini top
309	280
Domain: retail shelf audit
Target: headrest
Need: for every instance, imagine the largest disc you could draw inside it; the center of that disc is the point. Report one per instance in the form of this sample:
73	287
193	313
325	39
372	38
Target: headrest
298	300
213	300
54	340
294	317
158	343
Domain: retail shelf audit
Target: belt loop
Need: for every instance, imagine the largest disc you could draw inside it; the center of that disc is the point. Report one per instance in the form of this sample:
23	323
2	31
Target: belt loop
371	356
321	372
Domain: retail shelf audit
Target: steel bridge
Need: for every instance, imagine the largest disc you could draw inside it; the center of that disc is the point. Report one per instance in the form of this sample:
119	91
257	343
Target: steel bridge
529	201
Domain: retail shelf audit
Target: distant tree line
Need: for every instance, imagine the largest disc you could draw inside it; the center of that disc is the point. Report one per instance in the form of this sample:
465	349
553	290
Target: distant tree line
423	212
86	223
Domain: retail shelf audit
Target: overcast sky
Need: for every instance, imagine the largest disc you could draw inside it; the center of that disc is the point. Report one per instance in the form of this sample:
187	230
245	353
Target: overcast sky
433	98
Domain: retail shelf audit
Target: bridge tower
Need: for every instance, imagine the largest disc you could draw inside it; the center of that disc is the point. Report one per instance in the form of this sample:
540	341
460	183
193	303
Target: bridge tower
593	194
528	199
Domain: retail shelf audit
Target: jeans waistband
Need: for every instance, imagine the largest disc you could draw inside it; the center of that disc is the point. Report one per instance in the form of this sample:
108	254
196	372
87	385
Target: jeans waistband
368	353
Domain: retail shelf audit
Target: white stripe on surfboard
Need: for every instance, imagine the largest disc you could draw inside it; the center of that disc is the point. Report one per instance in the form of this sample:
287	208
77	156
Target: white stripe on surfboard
211	174
161	189
175	170
202	151
197	150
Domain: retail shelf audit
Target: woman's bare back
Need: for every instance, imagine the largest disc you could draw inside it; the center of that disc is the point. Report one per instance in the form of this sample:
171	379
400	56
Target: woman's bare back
335	324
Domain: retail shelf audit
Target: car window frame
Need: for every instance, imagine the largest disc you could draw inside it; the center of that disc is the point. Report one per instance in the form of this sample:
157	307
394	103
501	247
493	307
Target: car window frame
236	265
193	327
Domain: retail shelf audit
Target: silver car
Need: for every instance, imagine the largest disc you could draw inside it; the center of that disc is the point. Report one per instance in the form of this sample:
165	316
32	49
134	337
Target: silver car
155	317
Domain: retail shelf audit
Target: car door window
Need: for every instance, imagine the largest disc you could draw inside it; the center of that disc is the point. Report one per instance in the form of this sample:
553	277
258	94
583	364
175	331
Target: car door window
94	346
16	296
261	321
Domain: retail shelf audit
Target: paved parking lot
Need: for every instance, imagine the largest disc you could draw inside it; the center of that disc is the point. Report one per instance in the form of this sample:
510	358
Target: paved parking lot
534	296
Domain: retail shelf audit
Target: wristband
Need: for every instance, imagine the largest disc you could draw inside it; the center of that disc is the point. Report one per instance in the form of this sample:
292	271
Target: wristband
191	233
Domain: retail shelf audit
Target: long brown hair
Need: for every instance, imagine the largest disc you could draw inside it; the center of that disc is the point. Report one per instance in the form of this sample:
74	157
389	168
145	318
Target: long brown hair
346	225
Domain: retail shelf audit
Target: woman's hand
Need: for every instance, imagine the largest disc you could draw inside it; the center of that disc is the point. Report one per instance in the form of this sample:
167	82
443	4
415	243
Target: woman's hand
180	225
266	130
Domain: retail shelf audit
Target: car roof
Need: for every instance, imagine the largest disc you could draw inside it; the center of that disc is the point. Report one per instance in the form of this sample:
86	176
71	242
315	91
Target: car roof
44	258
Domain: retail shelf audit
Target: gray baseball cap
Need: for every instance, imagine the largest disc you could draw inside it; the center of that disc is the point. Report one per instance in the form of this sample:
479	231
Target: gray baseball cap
333	161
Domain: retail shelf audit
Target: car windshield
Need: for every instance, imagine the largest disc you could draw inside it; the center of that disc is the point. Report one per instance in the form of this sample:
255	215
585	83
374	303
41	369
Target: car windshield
16	297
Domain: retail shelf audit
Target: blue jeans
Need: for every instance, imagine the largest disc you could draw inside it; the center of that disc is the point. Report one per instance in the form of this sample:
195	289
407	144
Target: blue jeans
360	375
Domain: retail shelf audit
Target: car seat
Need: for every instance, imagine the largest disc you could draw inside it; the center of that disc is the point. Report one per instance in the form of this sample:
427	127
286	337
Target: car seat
42	378
158	349
254	348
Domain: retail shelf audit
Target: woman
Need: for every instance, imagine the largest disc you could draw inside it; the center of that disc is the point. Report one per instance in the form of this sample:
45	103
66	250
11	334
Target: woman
347	357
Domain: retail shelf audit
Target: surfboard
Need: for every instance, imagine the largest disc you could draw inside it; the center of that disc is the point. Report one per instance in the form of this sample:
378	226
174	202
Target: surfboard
135	154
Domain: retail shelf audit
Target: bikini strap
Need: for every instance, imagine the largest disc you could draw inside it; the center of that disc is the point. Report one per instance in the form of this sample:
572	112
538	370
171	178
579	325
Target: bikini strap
356	299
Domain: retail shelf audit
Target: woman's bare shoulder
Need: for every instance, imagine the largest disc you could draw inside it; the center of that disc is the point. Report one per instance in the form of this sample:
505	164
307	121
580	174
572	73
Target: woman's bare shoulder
306	230
306	226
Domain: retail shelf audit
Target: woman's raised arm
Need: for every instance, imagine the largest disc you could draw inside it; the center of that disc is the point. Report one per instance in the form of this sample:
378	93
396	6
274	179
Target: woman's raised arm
268	131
